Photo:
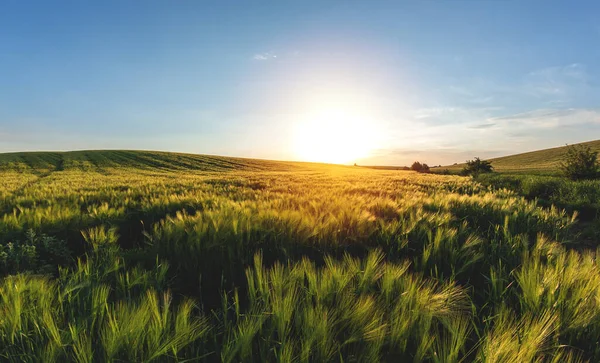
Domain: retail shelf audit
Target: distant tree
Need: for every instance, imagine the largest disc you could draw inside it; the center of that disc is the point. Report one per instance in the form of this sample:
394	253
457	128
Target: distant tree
580	162
416	166
420	168
477	166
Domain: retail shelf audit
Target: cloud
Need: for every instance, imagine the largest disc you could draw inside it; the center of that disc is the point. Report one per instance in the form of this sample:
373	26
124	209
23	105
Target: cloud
483	126
558	84
432	112
573	70
264	56
484	117
444	143
550	118
471	91
454	115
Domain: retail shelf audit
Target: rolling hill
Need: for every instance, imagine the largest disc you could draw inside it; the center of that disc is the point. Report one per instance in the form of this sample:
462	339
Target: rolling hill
545	161
101	160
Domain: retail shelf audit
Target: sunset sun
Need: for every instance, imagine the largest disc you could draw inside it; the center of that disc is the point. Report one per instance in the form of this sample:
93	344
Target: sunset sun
334	136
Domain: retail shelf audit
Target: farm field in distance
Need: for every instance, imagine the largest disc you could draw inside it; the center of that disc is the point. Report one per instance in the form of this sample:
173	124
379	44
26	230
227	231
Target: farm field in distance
148	256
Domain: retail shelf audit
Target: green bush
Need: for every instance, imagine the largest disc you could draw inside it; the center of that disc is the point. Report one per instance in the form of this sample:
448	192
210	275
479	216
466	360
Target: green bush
38	254
580	163
477	166
420	168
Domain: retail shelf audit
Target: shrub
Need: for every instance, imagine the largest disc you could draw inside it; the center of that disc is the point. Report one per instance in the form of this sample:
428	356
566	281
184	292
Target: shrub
420	168
37	253
477	166
580	162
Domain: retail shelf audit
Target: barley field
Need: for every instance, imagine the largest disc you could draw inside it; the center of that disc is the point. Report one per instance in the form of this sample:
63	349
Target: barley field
140	256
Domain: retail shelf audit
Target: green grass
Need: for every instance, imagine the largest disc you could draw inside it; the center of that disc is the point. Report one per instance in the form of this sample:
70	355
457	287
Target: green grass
541	162
107	160
582	196
147	256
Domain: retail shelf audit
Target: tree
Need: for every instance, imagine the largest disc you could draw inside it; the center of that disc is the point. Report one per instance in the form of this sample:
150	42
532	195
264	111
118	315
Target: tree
580	162
420	168
477	166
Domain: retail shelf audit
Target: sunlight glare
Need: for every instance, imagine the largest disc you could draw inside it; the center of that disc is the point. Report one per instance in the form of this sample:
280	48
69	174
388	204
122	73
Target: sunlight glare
334	136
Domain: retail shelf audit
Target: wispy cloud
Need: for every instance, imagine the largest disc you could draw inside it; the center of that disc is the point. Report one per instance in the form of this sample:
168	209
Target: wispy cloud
573	70
461	115
546	107
550	118
264	56
431	112
557	84
483	126
486	136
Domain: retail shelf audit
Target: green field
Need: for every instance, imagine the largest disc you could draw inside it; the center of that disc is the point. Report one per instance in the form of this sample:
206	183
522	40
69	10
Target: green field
546	162
148	256
155	161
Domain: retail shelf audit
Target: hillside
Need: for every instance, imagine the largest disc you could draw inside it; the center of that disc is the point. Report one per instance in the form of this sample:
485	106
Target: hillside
545	161
102	160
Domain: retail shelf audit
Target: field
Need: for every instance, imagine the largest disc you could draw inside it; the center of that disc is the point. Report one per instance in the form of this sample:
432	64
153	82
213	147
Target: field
145	256
541	162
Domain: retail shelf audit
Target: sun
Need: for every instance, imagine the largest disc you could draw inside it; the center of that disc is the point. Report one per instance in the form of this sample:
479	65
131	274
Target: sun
334	136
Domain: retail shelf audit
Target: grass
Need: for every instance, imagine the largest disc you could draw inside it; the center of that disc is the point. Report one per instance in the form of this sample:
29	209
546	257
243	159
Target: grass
583	196
153	161
577	197
145	256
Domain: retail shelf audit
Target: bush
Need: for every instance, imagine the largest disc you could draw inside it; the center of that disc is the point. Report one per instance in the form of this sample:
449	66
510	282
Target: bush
477	166
37	254
420	168
580	162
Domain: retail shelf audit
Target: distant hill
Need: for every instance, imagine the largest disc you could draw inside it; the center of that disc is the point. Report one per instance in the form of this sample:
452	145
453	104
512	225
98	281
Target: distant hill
545	161
99	160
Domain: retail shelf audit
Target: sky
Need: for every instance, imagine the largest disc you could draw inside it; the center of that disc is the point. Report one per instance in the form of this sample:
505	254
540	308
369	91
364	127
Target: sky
436	81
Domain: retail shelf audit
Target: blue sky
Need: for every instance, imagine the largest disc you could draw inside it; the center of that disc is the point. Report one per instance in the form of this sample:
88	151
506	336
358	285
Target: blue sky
439	81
